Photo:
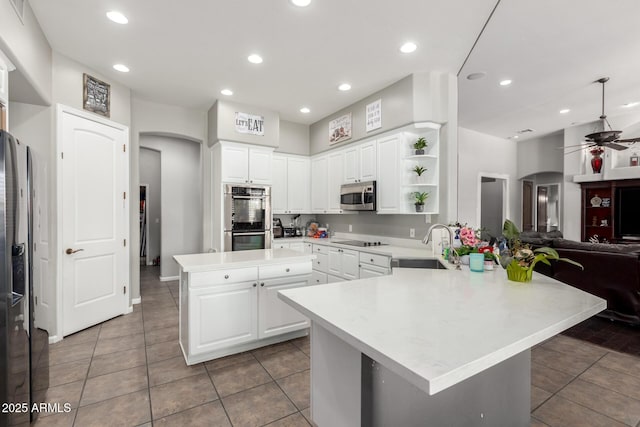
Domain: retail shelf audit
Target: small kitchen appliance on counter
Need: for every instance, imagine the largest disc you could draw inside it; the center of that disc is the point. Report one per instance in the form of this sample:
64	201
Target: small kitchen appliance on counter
277	229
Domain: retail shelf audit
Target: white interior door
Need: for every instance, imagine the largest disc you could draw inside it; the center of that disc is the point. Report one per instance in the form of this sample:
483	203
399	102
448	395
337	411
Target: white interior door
95	230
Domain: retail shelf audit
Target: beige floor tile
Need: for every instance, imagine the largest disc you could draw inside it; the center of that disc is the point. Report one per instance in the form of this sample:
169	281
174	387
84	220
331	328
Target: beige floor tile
293	420
166	302
574	347
163	351
115	345
172	369
262	352
258	406
537	423
160	323
538	396
161	335
304	344
234	359
86	335
64	373
128	410
607	402
176	396
122	328
614	380
207	415
71	353
297	387
161	312
549	379
115	384
63	419
284	363
621	363
573	365
564	413
66	393
114	362
306	413
238	377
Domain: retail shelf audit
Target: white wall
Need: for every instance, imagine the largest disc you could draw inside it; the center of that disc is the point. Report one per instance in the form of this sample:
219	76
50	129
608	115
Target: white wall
222	127
542	154
294	138
481	153
150	174
181	198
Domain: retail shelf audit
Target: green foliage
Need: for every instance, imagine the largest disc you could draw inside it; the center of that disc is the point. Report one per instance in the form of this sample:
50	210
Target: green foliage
420	197
419	170
420	143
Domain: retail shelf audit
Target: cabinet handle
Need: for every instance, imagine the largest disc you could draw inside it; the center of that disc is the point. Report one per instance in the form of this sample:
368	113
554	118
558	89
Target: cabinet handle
287	270
255	284
262	284
371	259
226	276
318	262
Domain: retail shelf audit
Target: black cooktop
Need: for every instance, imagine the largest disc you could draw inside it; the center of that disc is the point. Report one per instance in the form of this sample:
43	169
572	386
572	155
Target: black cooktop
360	243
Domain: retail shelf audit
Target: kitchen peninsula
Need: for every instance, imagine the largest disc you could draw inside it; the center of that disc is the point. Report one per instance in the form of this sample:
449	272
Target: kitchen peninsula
229	303
431	347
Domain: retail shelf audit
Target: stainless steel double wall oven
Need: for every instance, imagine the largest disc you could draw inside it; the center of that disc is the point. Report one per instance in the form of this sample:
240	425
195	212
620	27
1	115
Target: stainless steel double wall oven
247	217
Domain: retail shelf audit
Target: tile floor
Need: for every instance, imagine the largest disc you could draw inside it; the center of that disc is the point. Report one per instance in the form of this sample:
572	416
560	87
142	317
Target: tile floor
129	371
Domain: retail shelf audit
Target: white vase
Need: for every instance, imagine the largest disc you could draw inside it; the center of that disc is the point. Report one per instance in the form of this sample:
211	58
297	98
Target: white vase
464	259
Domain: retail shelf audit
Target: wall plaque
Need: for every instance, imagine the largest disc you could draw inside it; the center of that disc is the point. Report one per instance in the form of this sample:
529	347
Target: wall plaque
340	129
249	123
374	115
96	95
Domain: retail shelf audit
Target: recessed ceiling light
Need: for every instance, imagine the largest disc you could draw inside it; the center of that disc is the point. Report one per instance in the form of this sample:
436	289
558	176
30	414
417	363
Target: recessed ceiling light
564	111
305	110
476	76
505	82
301	3
515	136
344	87
255	59
630	104
408	47
121	67
227	92
117	17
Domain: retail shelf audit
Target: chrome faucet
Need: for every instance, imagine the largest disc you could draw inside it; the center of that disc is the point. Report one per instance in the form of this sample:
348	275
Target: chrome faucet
454	258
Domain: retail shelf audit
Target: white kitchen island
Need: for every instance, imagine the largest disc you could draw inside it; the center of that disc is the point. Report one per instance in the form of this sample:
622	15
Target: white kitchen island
229	302
431	347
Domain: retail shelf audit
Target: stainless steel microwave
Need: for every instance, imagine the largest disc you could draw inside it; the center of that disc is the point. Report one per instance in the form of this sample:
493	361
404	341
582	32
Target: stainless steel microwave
359	196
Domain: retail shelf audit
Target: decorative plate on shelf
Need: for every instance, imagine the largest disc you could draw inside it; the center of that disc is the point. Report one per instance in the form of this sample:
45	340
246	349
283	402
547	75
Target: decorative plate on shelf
596	201
606	202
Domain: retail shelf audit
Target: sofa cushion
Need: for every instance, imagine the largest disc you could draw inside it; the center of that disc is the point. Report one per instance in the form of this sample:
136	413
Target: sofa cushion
596	247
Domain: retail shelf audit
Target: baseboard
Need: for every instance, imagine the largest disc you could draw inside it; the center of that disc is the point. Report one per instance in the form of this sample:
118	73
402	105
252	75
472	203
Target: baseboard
54	339
150	263
135	301
169	278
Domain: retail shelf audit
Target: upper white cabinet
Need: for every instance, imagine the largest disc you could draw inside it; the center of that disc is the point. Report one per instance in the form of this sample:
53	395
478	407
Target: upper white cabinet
246	164
291	184
4	80
319	187
334	180
389	176
360	162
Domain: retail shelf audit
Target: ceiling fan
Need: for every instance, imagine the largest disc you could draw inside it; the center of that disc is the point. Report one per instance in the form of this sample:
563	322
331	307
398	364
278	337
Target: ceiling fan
606	138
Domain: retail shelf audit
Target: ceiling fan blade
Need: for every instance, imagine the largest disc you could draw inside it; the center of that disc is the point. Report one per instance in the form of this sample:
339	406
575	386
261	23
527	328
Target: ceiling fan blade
628	140
575	150
615	146
583	145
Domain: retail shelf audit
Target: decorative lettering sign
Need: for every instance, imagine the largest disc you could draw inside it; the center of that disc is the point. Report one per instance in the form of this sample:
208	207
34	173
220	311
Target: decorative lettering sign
340	129
249	123
374	115
96	95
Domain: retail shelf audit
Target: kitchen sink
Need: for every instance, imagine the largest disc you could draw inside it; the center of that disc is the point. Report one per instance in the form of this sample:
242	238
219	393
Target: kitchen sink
417	263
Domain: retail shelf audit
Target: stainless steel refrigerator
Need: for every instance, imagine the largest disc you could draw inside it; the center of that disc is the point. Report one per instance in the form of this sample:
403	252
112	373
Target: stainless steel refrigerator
24	347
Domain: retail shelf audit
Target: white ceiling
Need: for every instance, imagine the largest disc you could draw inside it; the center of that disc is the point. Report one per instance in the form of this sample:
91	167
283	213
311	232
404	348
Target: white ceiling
184	53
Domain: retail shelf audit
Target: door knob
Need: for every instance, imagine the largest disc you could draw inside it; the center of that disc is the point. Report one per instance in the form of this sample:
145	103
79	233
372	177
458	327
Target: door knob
70	251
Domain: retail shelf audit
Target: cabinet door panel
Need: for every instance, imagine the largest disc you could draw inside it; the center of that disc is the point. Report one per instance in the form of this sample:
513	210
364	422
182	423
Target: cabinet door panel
298	185
335	262
336	179
351	165
279	187
350	264
275	316
319	184
222	316
260	166
318	278
235	166
367	161
388	183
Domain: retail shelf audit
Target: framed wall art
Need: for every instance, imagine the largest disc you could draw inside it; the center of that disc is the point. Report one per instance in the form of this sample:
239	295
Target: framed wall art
340	129
96	95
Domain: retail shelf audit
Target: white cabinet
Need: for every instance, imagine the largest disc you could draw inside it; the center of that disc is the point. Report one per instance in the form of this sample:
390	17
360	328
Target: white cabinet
373	265
290	191
246	164
321	263
319	171
360	162
389	175
318	277
334	180
221	316
4	80
275	317
297	246
278	245
343	263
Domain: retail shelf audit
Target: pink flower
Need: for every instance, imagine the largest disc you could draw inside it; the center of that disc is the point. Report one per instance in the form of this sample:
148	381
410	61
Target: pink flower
468	236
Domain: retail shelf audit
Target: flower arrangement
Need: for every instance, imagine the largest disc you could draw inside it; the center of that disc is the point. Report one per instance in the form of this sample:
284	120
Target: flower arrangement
519	259
597	150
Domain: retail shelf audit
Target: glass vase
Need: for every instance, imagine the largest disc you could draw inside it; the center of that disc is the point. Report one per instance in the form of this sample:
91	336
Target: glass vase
596	162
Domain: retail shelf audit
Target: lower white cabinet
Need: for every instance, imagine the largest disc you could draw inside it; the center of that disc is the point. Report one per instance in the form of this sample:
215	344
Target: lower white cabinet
318	277
278	245
367	271
344	263
222	316
297	246
274	316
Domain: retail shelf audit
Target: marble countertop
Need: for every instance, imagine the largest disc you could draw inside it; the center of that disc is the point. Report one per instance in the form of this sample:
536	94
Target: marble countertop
239	259
437	328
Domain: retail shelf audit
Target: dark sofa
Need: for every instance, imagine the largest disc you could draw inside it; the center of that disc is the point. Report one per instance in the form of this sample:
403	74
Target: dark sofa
611	271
